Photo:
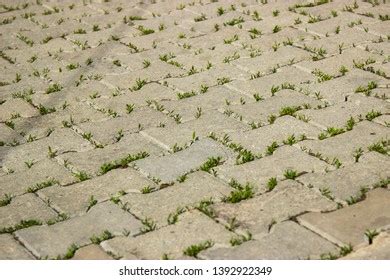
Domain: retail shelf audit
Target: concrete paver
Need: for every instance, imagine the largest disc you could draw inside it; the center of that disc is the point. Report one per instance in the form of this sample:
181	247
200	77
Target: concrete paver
137	129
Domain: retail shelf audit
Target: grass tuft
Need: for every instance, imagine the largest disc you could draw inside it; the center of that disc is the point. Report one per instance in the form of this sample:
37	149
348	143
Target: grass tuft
194	250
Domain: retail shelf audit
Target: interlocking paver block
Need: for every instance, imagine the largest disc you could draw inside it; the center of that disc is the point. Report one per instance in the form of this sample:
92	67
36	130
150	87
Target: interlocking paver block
278	132
344	145
106	131
348	181
259	171
52	241
214	98
128	104
336	90
10	249
197	187
9	136
91	252
349	224
259	112
289	199
25	207
338	115
75	199
16	106
192	228
60	141
168	168
43	171
182	134
379	250
92	160
280	243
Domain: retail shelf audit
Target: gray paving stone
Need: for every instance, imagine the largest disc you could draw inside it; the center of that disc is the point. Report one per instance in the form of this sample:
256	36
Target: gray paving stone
208	78
214	98
349	224
338	115
348	181
75	199
46	170
287	200
105	131
16	107
152	91
91	161
334	22
168	168
91	252
9	136
379	250
40	126
259	171
215	55
192	228
336	90
259	112
383	120
53	241
264	84
333	64
60	141
197	187
10	249
344	37
382	93
281	243
25	207
266	62
342	146
257	140
267	41
182	134
123	69
158	71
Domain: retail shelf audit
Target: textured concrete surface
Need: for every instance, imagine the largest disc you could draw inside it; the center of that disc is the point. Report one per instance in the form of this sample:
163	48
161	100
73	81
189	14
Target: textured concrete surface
186	129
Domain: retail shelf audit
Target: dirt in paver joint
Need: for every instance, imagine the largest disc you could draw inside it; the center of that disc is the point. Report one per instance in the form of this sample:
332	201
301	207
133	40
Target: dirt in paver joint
194	129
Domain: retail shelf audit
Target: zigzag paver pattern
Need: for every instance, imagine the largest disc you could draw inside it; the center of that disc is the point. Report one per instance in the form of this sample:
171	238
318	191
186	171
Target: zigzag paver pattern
194	129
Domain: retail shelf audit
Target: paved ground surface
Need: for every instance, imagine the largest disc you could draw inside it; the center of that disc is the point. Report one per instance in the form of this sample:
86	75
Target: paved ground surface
188	129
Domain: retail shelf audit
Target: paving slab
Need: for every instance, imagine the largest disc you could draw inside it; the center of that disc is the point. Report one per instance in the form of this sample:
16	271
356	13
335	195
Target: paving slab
12	250
105	131
260	112
338	115
197	187
379	250
91	252
349	224
60	141
259	171
192	228
343	146
281	243
142	110
287	200
43	171
92	160
53	241
211	121
257	140
168	168
348	181
75	200
24	208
